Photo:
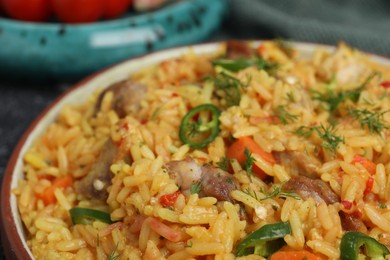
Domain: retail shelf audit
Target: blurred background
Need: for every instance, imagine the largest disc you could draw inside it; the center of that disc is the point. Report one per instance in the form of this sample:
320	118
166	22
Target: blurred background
47	45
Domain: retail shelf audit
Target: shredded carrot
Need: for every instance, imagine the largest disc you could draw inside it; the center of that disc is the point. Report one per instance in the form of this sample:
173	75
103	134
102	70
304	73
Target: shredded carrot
237	151
48	196
295	255
369	165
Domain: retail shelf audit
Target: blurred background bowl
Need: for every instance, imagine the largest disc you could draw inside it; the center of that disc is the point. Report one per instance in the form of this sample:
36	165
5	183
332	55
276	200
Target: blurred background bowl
63	51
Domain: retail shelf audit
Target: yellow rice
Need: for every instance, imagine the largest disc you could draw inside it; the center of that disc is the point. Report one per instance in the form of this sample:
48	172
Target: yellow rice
71	144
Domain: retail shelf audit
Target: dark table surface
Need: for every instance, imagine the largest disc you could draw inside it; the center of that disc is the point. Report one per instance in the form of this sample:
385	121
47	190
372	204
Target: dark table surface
21	101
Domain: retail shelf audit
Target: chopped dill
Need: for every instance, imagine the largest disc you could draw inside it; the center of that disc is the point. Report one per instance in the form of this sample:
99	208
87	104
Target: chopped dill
333	99
195	187
331	141
155	113
284	116
249	160
228	88
229	180
278	192
290	96
224	163
113	255
372	120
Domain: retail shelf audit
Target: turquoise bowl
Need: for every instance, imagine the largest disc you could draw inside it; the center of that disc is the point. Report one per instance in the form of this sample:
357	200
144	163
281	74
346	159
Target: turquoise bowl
63	51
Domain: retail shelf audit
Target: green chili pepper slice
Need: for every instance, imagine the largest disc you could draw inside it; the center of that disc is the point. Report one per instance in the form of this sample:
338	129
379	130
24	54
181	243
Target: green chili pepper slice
352	241
198	134
264	241
236	65
87	216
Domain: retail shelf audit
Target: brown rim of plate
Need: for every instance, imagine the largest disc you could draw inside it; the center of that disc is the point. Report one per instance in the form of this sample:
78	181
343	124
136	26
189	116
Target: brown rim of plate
12	243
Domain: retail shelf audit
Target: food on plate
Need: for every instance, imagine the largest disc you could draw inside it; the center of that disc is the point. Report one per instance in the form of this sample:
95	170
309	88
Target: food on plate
251	151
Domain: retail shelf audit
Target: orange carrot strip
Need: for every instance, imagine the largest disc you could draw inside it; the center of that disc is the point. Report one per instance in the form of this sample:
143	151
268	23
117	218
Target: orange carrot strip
48	196
237	151
294	255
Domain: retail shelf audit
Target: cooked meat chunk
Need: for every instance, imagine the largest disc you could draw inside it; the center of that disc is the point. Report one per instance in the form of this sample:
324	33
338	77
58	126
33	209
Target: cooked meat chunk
213	181
185	172
311	188
350	222
297	163
94	184
218	183
127	97
239	49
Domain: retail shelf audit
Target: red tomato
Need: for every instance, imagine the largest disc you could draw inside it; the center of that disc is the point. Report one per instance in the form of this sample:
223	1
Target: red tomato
385	84
78	11
27	10
115	8
169	199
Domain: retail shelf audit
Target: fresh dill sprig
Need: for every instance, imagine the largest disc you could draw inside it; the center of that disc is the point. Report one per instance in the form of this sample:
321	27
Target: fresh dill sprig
228	88
372	120
290	96
112	255
304	131
331	141
224	163
278	192
249	160
196	187
333	98
284	116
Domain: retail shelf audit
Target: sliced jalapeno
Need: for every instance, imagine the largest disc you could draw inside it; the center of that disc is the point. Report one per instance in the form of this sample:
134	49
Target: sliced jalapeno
197	133
87	216
264	241
352	241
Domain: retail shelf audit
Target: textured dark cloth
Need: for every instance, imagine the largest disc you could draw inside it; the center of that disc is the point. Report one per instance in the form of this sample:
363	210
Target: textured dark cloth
364	24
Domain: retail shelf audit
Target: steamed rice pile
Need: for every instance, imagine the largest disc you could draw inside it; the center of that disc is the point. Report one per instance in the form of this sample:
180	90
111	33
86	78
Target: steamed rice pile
306	112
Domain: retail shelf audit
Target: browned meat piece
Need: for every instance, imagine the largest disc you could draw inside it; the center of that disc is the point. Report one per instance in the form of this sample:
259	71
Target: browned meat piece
185	172
94	184
218	183
297	163
213	181
127	97
310	188
350	222
239	49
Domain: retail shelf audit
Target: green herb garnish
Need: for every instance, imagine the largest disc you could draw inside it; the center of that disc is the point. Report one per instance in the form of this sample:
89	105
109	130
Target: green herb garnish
236	65
333	98
249	160
224	163
372	120
284	116
278	192
328	134
228	88
196	187
112	255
